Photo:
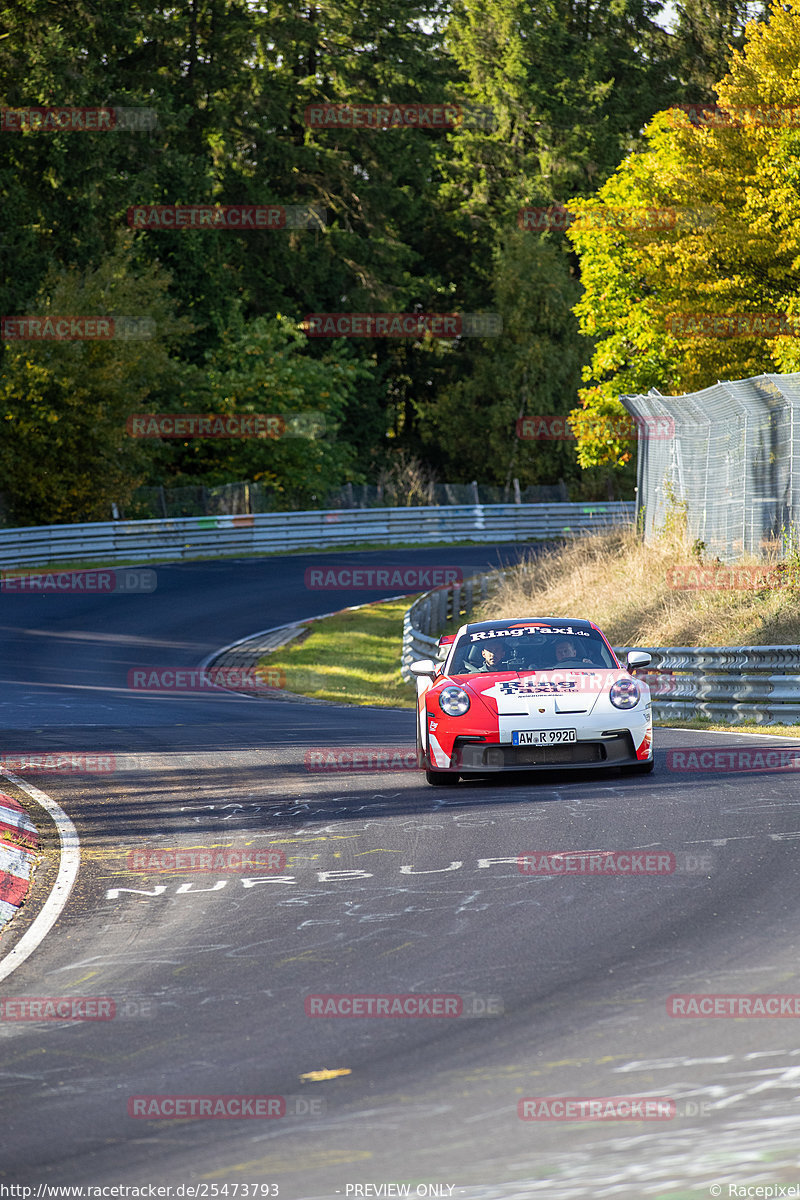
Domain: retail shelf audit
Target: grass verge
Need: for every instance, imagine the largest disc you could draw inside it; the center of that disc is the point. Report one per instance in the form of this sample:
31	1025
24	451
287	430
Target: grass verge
350	658
624	586
767	731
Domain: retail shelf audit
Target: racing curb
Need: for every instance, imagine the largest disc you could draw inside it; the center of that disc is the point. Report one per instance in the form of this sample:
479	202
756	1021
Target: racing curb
247	652
19	844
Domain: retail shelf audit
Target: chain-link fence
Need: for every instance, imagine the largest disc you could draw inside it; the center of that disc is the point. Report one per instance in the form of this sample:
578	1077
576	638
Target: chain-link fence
731	461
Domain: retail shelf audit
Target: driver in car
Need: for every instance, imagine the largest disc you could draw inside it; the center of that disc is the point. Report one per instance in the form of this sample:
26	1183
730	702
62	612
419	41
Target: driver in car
495	658
566	653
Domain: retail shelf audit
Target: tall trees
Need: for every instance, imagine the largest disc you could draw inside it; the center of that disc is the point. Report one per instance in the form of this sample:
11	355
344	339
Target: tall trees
417	219
732	183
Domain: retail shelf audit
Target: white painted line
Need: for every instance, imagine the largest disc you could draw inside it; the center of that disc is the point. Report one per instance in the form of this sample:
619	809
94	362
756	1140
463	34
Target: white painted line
67	874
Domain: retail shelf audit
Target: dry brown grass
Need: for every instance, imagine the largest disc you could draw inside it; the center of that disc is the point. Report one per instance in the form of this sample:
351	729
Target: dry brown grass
621	584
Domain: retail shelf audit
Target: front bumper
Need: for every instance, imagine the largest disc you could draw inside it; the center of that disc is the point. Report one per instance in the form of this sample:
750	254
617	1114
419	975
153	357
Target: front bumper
617	749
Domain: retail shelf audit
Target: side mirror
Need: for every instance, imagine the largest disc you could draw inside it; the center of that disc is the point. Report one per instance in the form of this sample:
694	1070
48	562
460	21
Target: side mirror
424	666
638	658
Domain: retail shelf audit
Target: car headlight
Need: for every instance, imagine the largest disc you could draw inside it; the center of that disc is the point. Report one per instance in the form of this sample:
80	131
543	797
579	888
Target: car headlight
625	693
454	701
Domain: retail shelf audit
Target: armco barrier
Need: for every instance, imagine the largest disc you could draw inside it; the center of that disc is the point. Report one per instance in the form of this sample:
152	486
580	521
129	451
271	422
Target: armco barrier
724	683
196	537
428	615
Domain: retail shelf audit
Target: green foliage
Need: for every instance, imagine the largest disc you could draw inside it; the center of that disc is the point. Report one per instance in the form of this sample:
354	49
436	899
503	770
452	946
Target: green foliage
733	248
264	366
533	368
64	452
417	220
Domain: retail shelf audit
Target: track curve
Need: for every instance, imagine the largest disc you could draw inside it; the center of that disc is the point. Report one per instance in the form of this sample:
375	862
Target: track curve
389	888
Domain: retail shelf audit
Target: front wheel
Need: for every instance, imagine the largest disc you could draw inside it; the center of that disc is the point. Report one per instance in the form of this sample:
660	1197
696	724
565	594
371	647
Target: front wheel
442	778
643	768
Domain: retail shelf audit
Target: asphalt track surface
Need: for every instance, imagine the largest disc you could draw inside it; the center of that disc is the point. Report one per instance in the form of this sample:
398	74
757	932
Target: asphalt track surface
390	888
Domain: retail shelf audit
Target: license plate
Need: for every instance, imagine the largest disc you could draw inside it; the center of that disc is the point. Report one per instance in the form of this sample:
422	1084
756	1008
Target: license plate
542	737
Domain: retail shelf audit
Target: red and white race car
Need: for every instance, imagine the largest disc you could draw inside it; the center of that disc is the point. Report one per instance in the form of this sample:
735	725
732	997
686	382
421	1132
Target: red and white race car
528	694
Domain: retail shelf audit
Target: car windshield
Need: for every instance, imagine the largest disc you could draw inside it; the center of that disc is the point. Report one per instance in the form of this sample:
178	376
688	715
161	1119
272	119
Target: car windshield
507	650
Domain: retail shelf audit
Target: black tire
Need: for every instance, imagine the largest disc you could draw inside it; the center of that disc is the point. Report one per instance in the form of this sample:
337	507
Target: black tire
639	768
442	778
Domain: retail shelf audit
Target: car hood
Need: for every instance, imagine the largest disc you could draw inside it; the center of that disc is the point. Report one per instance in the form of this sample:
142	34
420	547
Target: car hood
538	693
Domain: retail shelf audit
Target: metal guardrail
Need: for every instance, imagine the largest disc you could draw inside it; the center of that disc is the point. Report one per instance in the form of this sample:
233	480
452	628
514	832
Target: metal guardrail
195	537
722	683
428	615
725	683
